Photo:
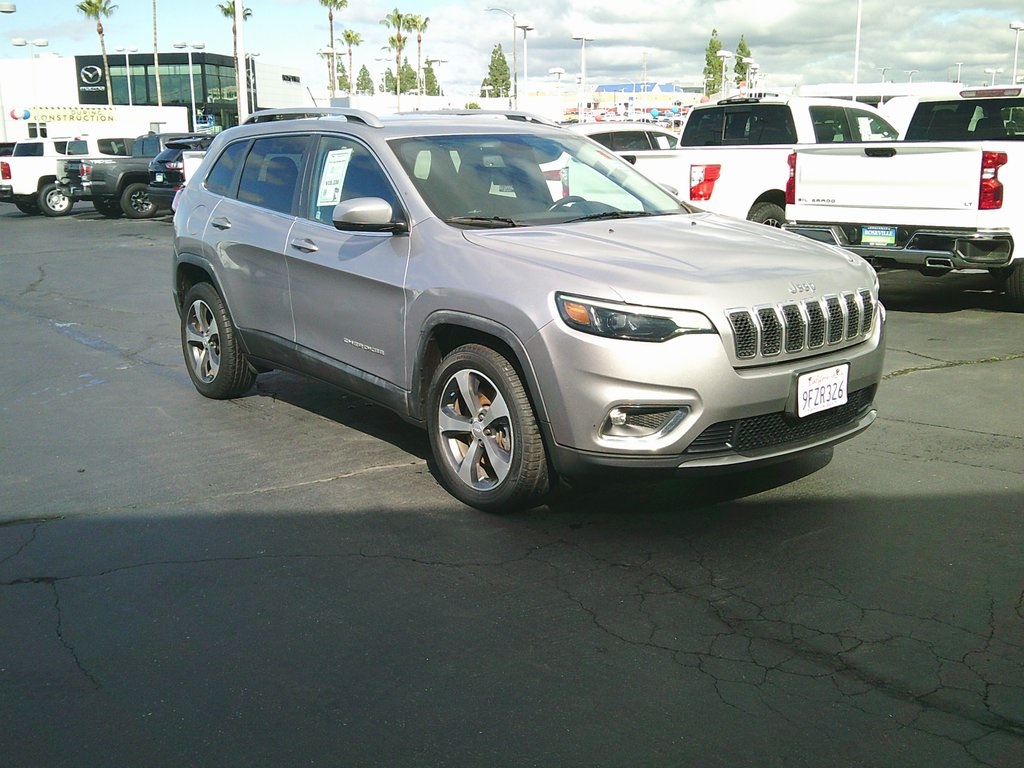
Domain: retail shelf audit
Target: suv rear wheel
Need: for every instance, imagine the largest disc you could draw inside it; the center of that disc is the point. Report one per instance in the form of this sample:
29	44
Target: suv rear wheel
483	433
215	360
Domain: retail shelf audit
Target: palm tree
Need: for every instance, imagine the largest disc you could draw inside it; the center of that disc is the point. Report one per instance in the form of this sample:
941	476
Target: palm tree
418	24
399	22
100	9
228	11
156	62
332	6
350	37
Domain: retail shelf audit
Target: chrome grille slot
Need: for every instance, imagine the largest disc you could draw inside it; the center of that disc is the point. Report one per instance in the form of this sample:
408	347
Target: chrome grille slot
771	331
836	321
852	315
792	327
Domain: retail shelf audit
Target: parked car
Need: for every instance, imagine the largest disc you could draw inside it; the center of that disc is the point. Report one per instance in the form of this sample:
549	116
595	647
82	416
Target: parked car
424	262
629	137
167	170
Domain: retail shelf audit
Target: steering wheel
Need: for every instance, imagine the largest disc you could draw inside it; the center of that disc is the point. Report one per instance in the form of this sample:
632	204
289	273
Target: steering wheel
565	202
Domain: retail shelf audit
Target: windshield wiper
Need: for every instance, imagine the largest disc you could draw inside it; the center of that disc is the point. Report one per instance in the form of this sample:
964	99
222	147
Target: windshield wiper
613	215
495	222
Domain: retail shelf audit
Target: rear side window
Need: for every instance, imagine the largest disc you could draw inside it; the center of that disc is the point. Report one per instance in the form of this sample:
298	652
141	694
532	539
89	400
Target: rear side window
77	148
119	147
272	170
222	177
345	170
28	150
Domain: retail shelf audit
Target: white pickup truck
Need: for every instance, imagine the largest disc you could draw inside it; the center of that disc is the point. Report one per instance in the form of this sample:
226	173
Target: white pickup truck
949	196
28	177
733	154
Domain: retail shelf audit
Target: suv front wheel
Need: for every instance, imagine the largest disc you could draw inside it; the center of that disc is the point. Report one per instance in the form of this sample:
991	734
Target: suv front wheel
215	360
485	439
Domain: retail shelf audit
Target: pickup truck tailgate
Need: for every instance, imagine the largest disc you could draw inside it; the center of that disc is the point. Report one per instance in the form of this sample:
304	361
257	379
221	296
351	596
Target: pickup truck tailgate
888	176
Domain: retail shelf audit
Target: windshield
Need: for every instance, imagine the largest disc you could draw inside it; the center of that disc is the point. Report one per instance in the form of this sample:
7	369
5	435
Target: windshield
508	180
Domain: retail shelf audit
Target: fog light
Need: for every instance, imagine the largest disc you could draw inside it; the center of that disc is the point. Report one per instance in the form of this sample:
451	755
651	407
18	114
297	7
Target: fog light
640	421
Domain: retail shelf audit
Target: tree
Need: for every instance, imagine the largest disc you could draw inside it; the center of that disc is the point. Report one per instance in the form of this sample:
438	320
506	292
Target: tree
228	11
408	81
742	67
343	79
430	86
498	81
418	24
156	62
332	6
364	83
97	10
399	22
713	64
350	38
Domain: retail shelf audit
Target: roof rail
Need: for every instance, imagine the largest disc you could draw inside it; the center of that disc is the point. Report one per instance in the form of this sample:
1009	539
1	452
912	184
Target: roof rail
297	113
526	117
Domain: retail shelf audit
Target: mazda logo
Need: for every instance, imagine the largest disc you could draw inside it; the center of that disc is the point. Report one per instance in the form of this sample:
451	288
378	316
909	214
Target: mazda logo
91	75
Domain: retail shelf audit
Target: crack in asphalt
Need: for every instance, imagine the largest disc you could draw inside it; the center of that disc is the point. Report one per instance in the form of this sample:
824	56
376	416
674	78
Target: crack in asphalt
941	364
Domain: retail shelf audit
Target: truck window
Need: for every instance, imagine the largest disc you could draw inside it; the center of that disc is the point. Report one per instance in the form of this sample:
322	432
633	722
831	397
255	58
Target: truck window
964	120
34	149
119	147
77	148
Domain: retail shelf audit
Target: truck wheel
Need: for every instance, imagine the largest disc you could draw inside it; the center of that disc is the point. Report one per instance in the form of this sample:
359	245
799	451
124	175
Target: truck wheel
486	443
107	207
767	213
1015	286
53	202
214	358
135	201
28	207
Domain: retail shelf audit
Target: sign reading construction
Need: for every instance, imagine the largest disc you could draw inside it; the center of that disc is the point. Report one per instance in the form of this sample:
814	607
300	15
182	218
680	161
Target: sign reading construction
73	114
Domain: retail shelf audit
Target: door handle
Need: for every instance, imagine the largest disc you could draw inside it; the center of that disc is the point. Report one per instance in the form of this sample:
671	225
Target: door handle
220	223
304	244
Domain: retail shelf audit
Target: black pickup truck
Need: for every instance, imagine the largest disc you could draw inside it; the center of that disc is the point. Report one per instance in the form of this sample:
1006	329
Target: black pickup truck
117	185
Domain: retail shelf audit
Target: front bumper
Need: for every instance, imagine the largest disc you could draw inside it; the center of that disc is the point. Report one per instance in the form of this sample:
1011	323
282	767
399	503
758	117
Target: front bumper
715	415
918	247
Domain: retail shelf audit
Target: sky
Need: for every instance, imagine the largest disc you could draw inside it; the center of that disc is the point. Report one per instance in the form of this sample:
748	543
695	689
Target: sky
793	42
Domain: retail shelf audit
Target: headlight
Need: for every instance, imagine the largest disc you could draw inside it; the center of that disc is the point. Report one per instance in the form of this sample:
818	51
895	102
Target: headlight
619	321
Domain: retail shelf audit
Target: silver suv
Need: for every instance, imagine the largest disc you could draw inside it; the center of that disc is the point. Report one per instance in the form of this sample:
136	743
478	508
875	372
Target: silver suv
535	303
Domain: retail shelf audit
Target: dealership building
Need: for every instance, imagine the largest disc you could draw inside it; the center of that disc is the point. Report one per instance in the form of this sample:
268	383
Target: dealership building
34	90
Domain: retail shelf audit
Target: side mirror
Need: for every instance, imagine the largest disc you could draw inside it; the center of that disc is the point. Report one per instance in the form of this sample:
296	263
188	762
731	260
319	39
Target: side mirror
367	214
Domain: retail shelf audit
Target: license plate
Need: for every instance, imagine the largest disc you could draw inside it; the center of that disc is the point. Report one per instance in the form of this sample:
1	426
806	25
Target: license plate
158	177
878	236
821	390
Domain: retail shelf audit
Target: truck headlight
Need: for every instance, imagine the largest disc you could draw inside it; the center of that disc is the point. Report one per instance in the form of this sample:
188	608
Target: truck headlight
621	321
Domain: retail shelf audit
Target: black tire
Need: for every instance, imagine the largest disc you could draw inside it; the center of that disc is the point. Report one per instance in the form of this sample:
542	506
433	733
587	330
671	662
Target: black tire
487	447
135	201
767	213
107	207
1015	286
52	202
209	341
28	207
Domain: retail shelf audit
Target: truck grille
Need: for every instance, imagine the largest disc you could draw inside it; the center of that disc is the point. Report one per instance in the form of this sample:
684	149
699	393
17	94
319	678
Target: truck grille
769	330
772	429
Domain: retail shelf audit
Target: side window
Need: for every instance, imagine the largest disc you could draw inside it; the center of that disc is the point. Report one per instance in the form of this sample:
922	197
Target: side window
344	170
868	126
629	140
78	147
221	178
829	124
270	176
662	141
771	124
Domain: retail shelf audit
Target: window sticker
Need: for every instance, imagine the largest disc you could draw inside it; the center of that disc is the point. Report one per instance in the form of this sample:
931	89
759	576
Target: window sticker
333	176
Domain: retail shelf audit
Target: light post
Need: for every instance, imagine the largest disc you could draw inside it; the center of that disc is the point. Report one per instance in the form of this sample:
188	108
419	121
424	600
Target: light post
723	55
959	67
21	42
8	8
993	72
583	74
332	69
751	75
526	78
515	63
910	74
5	8
128	68
884	70
191	80
250	60
856	45
1016	26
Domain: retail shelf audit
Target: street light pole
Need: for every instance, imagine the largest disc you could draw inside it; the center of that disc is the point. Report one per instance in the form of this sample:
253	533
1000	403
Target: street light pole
1016	26
583	74
128	68
856	45
993	72
526	78
515	63
884	70
723	55
191	78
959	67
910	74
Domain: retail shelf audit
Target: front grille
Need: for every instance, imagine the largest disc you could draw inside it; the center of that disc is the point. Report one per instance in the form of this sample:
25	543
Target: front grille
793	327
773	429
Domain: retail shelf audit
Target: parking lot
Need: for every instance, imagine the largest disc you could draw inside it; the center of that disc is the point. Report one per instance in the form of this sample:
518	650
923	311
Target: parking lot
279	580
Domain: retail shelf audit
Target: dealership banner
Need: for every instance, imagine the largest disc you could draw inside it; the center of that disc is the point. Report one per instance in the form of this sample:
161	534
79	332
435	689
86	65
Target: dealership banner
92	84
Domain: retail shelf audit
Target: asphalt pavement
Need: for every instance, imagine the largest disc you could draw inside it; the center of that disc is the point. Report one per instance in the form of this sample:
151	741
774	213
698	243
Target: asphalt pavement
279	580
